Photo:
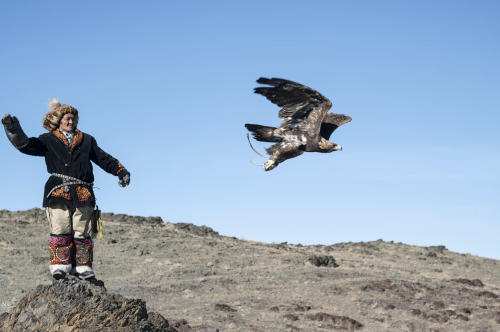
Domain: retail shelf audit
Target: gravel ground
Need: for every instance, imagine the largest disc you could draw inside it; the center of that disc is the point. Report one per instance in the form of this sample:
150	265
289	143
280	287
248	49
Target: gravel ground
202	281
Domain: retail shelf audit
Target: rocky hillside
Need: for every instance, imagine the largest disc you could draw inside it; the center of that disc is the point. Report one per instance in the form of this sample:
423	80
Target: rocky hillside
202	281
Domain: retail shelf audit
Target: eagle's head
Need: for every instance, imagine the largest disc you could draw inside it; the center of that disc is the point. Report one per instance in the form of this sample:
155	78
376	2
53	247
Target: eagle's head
336	147
270	165
325	146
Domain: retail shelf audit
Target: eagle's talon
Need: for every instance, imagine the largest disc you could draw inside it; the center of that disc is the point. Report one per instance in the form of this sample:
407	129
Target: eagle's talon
270	165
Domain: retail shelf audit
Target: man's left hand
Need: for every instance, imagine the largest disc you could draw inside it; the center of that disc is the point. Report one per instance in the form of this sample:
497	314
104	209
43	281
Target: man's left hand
125	181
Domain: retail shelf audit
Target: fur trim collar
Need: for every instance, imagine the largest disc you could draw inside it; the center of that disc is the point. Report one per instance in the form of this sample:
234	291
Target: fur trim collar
77	137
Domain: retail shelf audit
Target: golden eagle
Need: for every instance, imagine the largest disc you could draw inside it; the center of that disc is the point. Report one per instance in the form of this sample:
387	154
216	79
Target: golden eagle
305	127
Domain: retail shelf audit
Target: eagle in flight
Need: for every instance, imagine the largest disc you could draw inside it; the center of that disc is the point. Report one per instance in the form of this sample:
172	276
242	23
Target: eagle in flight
305	127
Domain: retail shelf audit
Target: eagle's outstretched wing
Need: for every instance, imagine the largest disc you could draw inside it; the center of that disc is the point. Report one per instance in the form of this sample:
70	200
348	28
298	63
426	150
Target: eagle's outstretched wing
297	101
332	121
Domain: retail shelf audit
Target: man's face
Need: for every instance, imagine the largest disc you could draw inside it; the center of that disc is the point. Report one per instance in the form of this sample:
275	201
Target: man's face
67	123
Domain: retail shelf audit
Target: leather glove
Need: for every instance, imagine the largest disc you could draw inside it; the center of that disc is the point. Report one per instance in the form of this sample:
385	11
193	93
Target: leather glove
124	181
14	132
7	120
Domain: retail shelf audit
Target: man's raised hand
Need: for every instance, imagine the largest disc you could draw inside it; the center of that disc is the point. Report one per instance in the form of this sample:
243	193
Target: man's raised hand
7	120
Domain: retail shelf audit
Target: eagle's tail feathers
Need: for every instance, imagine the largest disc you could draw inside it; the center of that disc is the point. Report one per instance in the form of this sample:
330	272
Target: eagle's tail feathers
264	133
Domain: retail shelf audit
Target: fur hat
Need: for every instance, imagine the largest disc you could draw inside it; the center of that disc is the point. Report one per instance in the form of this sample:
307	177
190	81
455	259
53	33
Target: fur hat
56	113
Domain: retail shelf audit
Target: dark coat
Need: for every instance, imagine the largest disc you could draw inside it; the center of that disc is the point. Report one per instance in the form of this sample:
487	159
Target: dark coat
73	161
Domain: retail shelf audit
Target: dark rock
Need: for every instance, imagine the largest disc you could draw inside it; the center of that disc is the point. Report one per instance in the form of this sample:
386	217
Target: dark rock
378	286
301	308
449	313
279	245
182	325
290	317
275	309
475	282
416	312
487	294
437	318
497	318
224	307
328	261
465	311
3	317
389	307
438	305
431	254
196	230
399	288
82	306
338	322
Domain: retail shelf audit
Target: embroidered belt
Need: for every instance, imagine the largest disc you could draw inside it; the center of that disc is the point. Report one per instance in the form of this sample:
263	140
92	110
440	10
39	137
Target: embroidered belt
67	181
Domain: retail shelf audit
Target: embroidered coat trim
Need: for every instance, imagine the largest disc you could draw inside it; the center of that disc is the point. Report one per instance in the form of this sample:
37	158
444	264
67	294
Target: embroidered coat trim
74	161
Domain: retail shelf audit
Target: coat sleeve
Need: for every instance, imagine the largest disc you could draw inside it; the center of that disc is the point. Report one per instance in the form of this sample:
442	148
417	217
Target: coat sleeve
107	162
35	147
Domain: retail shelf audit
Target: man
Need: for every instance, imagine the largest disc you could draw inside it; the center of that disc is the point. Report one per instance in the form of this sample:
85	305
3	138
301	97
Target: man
68	198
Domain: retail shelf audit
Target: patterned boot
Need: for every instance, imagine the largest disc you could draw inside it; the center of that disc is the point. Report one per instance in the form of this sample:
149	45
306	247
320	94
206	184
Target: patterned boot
61	250
84	257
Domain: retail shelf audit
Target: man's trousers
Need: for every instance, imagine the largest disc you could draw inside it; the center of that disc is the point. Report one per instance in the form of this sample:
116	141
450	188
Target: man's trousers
71	246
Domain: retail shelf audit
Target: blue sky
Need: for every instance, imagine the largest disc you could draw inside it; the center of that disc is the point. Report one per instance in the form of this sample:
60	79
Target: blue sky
166	87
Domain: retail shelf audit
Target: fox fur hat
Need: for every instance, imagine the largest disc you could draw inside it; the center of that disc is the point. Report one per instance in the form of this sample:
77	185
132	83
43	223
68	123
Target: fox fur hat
56	112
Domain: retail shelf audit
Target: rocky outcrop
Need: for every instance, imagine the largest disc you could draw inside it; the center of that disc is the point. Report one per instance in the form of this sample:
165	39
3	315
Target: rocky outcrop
132	219
37	215
34	215
77	305
321	261
196	230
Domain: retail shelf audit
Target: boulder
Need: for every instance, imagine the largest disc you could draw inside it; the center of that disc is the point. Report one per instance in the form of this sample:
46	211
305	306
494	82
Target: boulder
328	261
76	305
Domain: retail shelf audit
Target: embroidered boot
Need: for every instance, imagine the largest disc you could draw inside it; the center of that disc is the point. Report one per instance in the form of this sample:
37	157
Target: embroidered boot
61	250
84	257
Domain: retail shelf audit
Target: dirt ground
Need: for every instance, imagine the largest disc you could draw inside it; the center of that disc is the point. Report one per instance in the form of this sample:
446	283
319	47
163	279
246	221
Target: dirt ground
201	281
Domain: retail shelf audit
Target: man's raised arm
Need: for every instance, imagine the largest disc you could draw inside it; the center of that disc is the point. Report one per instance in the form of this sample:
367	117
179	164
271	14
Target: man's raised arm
30	146
14	132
